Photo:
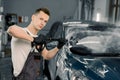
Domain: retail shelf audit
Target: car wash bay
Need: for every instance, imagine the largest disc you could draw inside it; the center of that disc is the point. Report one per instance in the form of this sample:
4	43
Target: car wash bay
19	12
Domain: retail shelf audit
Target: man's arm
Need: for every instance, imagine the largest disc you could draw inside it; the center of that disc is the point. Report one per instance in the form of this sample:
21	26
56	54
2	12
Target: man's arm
49	54
18	32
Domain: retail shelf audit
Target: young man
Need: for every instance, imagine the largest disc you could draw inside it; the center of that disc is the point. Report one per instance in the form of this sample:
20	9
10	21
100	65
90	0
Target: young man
23	37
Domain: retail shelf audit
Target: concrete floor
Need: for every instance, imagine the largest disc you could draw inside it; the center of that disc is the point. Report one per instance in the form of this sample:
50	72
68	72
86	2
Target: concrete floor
5	68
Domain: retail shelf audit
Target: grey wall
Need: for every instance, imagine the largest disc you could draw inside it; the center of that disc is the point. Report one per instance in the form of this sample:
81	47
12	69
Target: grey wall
58	8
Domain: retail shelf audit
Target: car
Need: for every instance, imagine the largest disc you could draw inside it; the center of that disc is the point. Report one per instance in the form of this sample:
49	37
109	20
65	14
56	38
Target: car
92	51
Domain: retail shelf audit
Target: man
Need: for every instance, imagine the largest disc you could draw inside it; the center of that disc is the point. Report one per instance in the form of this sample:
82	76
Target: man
23	37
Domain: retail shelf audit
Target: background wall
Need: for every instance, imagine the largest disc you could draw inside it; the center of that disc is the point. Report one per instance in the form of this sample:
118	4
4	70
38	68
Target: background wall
60	9
101	6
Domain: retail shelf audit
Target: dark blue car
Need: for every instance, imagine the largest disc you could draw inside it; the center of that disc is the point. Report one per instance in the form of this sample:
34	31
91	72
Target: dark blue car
91	52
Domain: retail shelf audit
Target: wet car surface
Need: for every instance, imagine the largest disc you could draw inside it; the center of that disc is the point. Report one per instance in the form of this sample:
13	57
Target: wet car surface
94	55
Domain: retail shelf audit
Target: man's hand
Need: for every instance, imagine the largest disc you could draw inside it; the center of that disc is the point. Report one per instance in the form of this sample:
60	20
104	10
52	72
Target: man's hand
39	42
61	43
40	39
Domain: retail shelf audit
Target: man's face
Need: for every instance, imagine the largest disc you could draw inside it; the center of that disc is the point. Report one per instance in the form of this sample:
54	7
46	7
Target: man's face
40	20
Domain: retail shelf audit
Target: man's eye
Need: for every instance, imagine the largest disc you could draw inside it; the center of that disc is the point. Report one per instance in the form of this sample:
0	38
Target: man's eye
41	19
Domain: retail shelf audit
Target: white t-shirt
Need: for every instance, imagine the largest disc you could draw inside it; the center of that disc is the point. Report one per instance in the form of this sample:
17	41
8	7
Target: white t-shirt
20	50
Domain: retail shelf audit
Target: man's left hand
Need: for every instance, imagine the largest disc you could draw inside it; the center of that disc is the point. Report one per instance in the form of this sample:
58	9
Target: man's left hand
61	43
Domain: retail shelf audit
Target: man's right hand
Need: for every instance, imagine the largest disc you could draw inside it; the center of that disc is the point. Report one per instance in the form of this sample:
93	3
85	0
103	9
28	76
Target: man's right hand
39	42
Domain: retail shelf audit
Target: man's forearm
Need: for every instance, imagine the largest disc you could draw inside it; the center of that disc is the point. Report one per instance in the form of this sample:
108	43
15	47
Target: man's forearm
51	53
18	32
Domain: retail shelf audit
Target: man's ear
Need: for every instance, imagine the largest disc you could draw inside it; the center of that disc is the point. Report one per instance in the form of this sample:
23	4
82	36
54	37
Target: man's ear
32	17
